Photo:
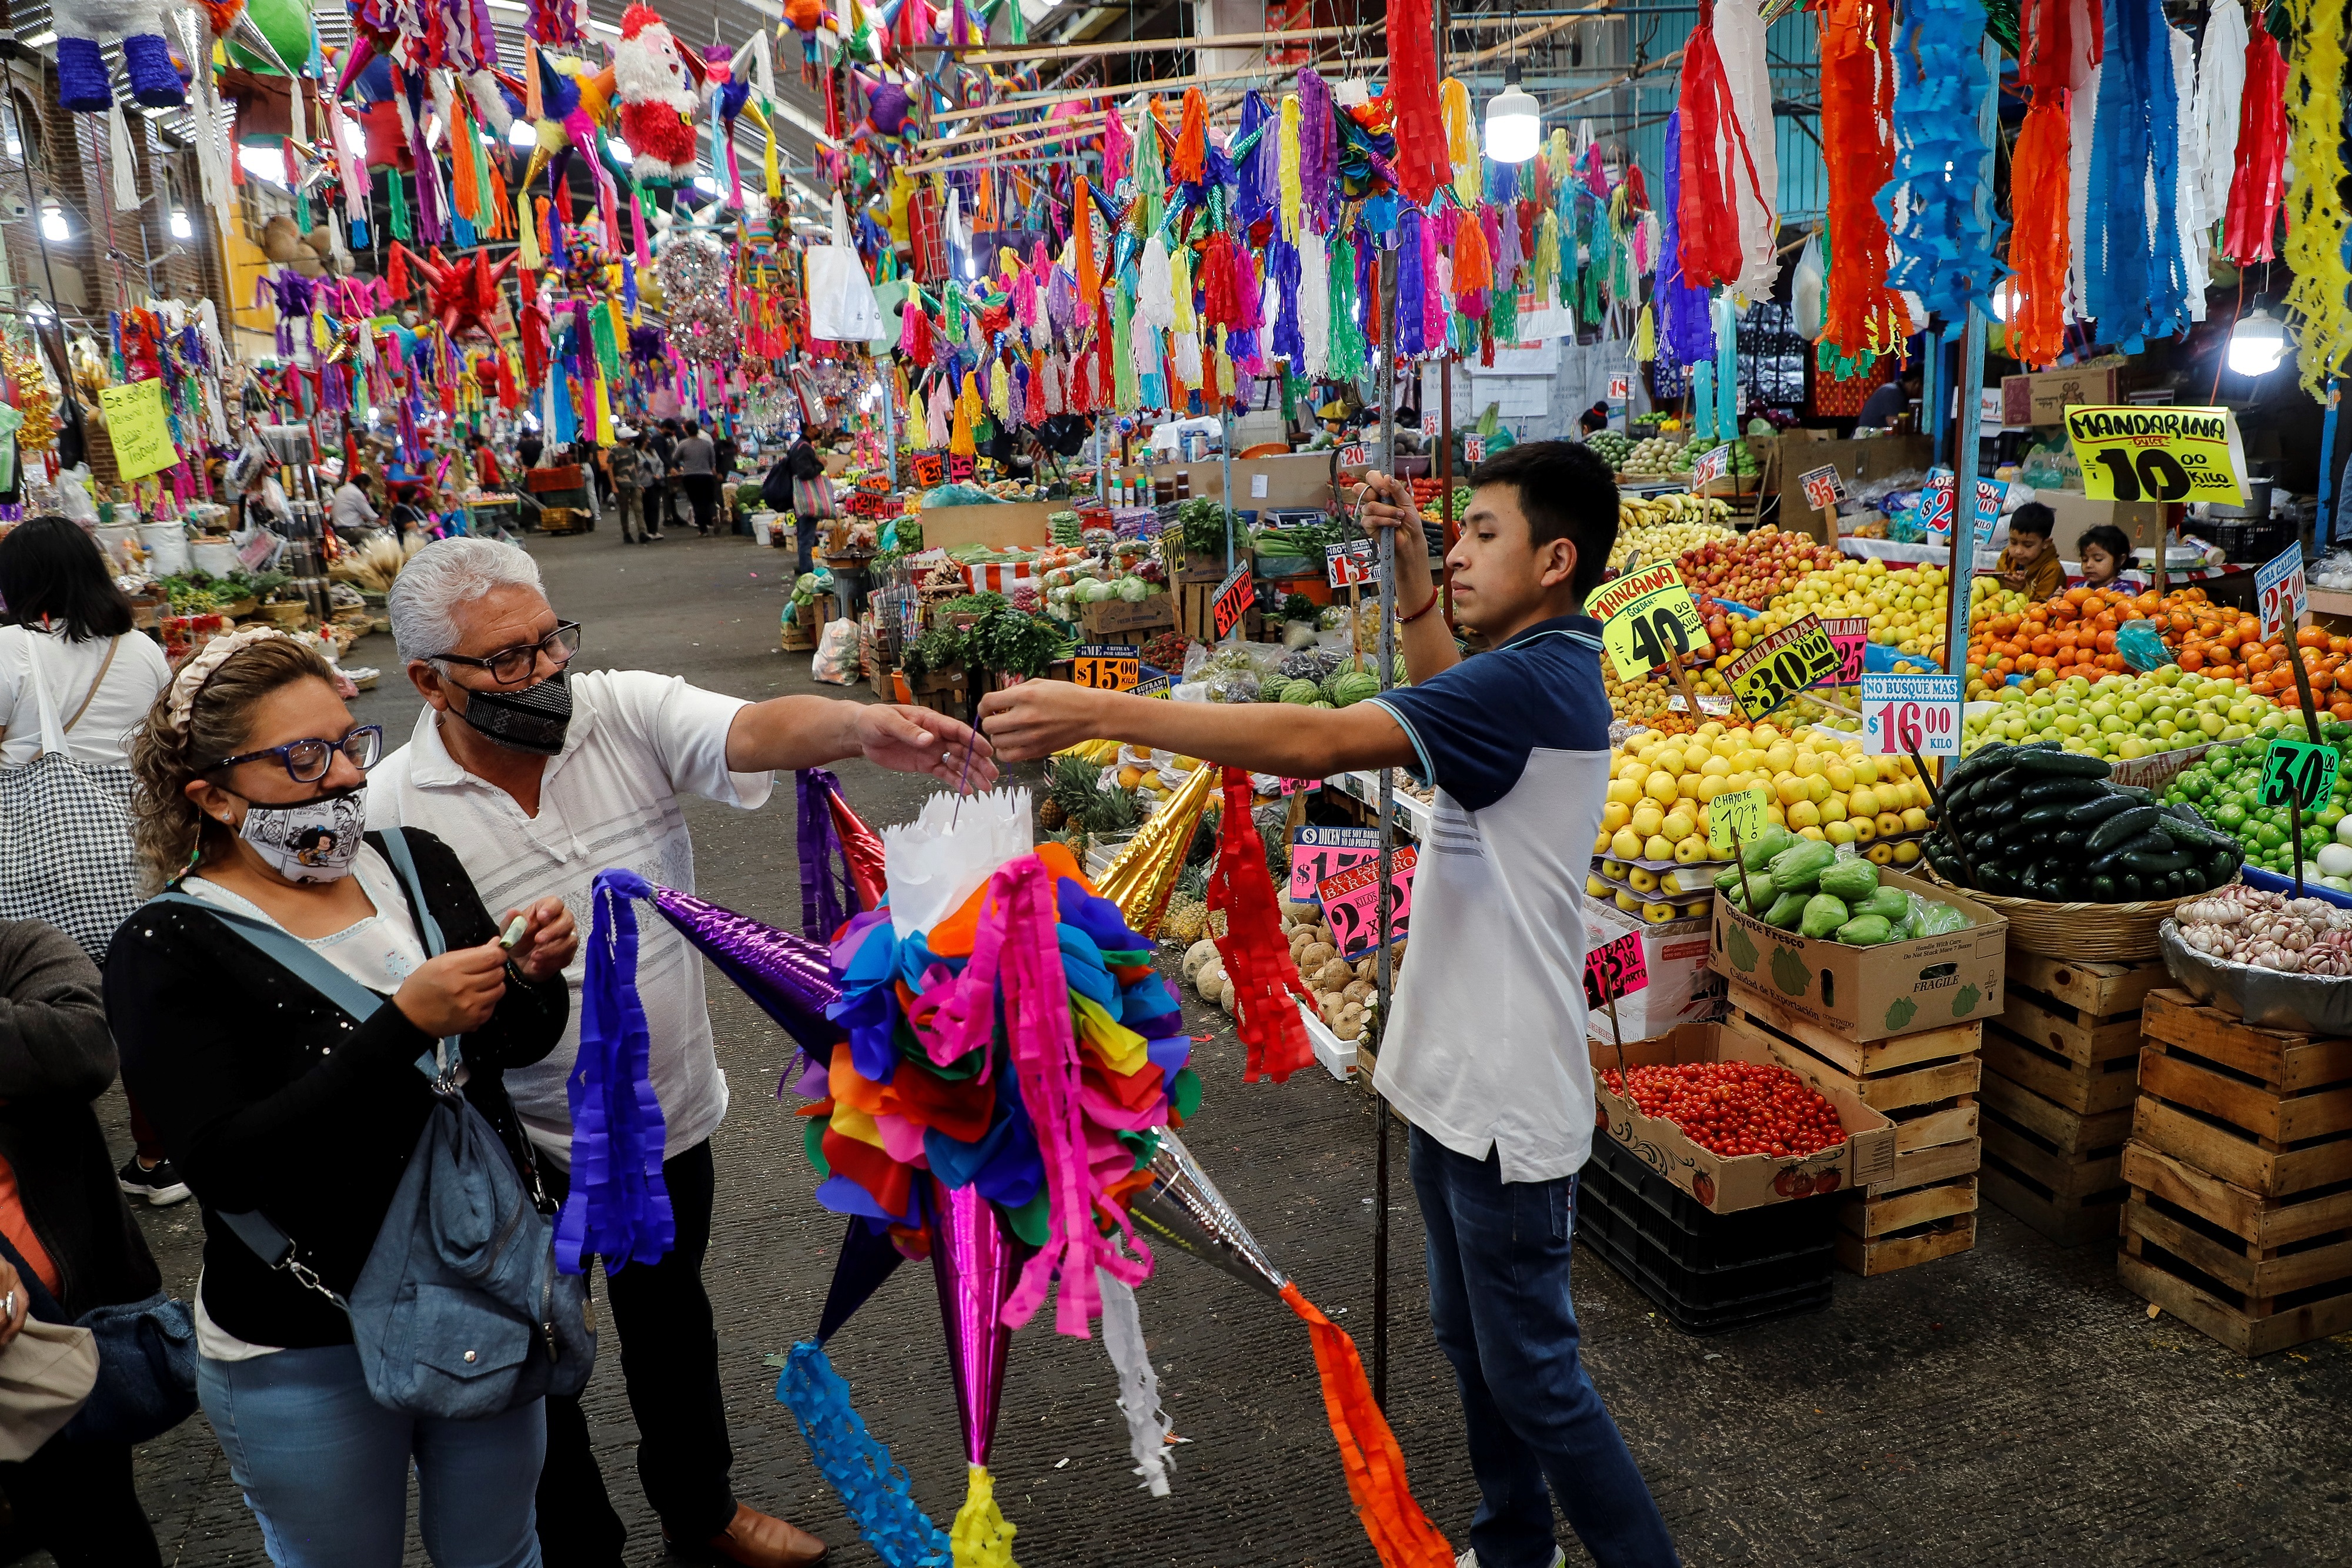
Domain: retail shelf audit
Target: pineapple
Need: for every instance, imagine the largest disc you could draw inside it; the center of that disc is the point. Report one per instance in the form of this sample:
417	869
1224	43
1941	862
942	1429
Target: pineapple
1070	791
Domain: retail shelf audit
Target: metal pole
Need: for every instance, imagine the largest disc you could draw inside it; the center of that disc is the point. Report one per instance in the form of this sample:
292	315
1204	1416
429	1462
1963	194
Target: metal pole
890	417
1386	798
1224	465
1967	450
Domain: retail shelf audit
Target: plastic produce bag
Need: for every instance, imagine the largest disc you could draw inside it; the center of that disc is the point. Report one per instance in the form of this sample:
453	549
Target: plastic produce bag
1929	919
842	307
836	653
1806	287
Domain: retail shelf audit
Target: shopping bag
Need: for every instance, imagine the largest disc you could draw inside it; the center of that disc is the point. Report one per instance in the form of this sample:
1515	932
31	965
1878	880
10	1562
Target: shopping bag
65	855
842	307
1805	290
836	653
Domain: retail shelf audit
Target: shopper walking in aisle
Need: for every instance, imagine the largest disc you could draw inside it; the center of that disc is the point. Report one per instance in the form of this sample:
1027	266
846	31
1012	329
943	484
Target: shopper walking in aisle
625	464
354	505
1484	1052
653	474
813	499
541	779
72	631
276	1100
66	1231
698	466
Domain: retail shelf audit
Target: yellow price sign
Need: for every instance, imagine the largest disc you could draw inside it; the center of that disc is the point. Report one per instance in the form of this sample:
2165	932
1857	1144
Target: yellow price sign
1781	665
1107	666
1734	811
136	425
1647	618
2157	454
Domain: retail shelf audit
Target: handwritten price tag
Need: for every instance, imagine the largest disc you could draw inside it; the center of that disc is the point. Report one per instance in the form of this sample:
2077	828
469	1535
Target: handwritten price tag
1937	505
1358	561
1235	595
1473	449
959	468
2134	453
1734	817
1647	618
1354	456
1620	387
1902	713
2299	772
141	432
1317	853
1708	466
1849	635
1351	901
931	469
1107	666
1785	663
1615	970
2279	588
1824	486
1301	786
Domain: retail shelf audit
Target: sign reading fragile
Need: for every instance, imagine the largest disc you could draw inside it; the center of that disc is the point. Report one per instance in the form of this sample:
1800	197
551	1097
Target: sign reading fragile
2134	454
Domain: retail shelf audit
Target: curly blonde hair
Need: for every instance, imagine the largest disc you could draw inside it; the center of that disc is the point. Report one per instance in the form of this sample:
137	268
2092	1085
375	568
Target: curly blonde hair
172	836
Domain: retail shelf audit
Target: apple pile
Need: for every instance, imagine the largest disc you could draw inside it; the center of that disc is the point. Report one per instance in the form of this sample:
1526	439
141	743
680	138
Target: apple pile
1757	569
1734	1108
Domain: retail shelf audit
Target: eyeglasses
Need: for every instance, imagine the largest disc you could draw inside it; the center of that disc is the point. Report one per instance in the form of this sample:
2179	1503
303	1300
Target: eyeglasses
512	666
307	761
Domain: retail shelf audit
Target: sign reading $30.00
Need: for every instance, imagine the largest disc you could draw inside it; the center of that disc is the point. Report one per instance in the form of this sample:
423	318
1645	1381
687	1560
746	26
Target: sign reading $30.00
1781	665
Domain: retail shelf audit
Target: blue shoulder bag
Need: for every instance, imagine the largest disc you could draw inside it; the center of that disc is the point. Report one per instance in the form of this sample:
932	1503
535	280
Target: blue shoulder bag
460	1312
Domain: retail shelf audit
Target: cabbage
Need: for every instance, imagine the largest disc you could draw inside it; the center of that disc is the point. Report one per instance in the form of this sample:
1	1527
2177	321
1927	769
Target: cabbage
1133	589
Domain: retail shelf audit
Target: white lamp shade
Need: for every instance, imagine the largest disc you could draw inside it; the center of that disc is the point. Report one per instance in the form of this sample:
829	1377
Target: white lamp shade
1514	125
2257	344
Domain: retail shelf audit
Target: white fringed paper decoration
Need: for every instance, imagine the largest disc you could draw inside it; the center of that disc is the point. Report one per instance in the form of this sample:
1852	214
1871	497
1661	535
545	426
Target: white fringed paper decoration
949	850
2082	116
1148	1426
1314	301
1186	358
1155	297
1739	41
2221	84
2196	220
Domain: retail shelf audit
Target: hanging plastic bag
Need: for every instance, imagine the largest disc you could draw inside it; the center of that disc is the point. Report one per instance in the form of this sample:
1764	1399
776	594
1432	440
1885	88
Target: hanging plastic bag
842	307
836	653
1808	286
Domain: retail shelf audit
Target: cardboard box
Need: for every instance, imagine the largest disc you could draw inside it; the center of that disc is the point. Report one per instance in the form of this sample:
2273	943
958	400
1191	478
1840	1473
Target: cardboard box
1871	993
1000	527
1298	479
2051	393
1116	621
2072	512
1727	1184
1857	462
1682	989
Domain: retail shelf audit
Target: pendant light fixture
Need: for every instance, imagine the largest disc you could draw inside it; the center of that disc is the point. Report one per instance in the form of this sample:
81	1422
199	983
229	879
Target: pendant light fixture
2258	342
1513	121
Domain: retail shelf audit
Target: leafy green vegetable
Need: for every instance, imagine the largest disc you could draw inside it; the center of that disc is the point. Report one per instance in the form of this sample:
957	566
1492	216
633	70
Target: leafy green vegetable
940	648
1202	520
1013	644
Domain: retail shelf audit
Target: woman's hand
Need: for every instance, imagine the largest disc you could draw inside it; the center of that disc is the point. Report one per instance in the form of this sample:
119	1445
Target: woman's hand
15	1300
548	942
456	993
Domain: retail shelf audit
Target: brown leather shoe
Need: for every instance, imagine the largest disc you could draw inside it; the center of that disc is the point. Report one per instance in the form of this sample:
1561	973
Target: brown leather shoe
758	1540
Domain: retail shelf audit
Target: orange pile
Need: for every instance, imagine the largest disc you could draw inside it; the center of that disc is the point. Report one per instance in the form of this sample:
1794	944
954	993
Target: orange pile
2229	643
2073	633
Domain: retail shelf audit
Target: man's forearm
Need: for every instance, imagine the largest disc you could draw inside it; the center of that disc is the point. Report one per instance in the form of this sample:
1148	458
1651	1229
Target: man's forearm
787	733
1282	739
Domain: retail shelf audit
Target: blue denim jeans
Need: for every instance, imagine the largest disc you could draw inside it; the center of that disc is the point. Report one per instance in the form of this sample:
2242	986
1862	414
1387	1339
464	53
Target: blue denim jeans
1498	1254
325	1469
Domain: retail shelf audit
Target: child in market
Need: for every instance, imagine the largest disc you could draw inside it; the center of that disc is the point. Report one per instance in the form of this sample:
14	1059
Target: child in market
2031	564
2105	552
1484	1055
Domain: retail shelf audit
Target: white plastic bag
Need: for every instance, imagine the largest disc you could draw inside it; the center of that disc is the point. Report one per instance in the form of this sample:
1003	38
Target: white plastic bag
842	307
836	653
1806	288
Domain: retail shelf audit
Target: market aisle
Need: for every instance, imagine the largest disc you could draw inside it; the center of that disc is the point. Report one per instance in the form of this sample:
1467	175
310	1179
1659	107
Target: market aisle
2010	1405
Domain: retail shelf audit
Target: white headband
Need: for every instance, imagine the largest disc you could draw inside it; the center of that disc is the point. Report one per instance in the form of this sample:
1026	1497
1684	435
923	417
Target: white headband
191	676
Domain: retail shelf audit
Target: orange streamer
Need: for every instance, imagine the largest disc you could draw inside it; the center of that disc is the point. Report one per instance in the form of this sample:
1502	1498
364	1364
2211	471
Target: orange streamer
1400	1531
2039	241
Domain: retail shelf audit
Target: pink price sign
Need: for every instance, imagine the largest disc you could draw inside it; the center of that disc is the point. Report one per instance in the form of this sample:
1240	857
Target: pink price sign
1317	853
1351	902
1615	970
1849	635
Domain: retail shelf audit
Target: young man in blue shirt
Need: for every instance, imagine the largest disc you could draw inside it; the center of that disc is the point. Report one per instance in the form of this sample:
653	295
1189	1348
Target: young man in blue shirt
1484	1052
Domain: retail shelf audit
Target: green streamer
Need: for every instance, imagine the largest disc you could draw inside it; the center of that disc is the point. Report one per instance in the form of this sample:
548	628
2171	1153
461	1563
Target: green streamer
399	206
1124	393
1348	347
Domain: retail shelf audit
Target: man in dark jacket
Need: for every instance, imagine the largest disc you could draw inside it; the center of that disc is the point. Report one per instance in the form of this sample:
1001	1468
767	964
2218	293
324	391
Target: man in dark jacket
65	1219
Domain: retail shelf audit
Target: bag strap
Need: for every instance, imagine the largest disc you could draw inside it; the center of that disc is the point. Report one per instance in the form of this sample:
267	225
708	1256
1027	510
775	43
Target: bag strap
113	646
53	736
40	1301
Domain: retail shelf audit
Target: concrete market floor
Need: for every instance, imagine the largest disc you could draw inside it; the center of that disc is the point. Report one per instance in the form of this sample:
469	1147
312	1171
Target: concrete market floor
2013	1404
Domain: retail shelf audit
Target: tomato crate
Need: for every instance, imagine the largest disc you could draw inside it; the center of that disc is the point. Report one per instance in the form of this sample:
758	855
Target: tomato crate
2257	1273
2266	1110
1709	1272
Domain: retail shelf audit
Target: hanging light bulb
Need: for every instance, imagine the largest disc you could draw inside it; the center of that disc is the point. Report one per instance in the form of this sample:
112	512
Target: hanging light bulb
2007	300
53	221
179	227
1514	122
2257	343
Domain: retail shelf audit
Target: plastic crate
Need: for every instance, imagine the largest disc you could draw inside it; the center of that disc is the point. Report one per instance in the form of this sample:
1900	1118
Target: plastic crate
1710	1273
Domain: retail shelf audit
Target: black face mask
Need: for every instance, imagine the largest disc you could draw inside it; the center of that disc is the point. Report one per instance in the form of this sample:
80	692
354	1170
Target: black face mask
530	718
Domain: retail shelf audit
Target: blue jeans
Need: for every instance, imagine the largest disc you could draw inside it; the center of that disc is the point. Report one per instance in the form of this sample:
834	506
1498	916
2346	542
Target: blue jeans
325	1469
1498	1255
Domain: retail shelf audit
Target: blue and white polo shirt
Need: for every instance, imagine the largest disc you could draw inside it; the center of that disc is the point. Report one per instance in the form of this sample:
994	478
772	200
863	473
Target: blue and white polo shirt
1487	1049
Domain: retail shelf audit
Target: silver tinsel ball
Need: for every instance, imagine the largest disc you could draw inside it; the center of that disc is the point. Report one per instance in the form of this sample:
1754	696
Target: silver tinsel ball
696	296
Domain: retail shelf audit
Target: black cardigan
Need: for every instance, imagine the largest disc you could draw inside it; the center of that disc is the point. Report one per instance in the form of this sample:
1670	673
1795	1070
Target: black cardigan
268	1096
56	1057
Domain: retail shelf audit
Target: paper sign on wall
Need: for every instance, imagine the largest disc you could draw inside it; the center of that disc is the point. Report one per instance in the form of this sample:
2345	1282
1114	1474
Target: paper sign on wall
136	423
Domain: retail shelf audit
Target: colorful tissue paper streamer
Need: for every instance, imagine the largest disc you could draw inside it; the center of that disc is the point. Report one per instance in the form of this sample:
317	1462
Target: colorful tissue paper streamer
618	1207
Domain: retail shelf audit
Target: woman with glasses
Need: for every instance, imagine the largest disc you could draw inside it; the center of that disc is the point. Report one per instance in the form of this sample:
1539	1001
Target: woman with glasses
272	1097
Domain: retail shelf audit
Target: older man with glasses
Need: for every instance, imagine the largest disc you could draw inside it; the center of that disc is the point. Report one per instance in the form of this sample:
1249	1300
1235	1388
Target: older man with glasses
539	779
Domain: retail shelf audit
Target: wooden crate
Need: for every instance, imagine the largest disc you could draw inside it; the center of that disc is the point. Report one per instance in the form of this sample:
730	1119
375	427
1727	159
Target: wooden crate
2060	1073
1928	1085
2266	1110
2258	1273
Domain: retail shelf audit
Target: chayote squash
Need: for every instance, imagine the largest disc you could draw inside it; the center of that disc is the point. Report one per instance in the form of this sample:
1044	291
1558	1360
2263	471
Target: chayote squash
1759	849
1798	868
1852	879
1864	931
1824	912
1891	905
1759	885
1787	909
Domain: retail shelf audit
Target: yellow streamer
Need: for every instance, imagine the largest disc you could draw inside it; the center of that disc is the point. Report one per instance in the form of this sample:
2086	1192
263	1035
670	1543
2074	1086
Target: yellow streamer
527	233
1461	141
1180	283
1645	339
1556	155
1287	167
981	1537
775	184
2316	213
967	410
